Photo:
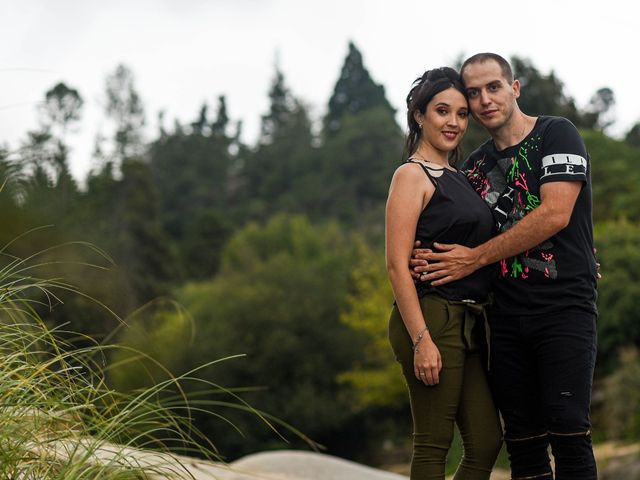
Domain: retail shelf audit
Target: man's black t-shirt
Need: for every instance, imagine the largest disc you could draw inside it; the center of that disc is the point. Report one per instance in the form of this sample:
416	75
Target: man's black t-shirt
560	272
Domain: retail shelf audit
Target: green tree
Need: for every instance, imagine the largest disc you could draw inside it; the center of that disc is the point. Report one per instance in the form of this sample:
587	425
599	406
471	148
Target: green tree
122	217
52	191
12	194
164	333
620	409
619	288
124	107
278	171
200	125
201	246
356	164
61	109
633	135
354	92
376	378
601	106
277	299
219	126
145	249
615	178
192	172
283	107
362	147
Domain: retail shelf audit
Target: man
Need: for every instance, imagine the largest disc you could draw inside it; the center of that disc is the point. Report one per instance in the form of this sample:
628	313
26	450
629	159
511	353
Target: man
534	174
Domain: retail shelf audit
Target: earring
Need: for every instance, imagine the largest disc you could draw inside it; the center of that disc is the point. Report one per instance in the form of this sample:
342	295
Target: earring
420	126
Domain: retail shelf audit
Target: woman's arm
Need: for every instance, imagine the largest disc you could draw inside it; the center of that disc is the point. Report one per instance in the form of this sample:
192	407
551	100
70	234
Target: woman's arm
409	193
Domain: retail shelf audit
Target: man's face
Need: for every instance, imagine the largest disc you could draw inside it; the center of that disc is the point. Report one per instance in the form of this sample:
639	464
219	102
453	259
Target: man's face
492	99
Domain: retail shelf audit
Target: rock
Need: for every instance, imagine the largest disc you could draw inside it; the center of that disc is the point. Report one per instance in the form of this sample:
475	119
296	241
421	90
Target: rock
297	465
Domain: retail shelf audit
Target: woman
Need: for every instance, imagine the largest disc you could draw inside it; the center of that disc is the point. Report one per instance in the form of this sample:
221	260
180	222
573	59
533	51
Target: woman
437	333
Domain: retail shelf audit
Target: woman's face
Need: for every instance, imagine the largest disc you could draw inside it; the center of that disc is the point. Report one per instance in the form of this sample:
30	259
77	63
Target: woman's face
445	120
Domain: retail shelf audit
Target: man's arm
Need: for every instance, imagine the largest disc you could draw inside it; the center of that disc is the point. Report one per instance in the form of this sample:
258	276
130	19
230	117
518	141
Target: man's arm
457	261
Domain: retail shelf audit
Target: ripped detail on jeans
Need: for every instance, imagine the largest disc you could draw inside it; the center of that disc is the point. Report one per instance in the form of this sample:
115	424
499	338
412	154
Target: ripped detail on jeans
524	439
574	434
531	477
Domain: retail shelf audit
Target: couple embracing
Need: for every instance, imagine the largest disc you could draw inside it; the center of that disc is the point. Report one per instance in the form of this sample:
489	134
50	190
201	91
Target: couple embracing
513	224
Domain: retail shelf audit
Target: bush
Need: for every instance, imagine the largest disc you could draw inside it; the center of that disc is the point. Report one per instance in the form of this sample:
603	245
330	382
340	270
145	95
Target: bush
621	402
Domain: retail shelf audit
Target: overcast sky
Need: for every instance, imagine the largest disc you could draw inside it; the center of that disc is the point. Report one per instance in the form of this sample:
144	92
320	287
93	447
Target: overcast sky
186	52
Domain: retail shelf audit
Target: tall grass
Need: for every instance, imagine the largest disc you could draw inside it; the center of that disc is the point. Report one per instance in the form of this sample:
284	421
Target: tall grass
59	418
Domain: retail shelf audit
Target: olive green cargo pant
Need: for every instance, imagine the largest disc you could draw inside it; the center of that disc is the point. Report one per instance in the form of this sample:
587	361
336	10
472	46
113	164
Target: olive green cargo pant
462	395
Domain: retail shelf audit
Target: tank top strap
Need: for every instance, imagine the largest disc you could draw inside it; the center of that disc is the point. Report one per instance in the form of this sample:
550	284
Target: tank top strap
427	171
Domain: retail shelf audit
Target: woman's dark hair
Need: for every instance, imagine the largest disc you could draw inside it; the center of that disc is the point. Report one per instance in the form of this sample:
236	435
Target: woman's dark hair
423	89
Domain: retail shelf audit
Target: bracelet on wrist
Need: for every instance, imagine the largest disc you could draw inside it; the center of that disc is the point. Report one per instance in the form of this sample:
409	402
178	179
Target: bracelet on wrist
419	339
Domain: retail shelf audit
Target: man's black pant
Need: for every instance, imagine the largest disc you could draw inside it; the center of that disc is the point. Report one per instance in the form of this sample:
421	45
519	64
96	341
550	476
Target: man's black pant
541	372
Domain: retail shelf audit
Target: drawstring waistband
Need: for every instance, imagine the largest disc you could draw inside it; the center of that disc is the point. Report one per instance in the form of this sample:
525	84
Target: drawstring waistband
473	312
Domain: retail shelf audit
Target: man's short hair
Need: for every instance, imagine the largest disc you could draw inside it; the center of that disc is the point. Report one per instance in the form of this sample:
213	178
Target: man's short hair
507	72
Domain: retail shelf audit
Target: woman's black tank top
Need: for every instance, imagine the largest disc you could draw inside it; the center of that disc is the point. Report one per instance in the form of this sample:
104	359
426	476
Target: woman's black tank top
455	214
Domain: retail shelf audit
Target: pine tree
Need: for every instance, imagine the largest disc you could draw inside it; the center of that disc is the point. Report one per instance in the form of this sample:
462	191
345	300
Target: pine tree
145	251
356	165
633	135
122	217
51	190
282	110
275	171
362	146
200	126
124	107
355	92
219	126
602	105
191	171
